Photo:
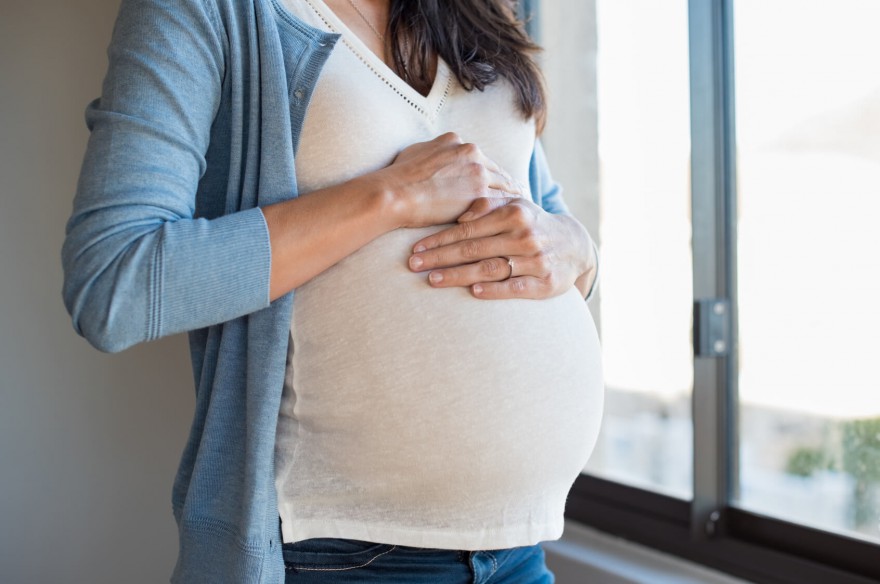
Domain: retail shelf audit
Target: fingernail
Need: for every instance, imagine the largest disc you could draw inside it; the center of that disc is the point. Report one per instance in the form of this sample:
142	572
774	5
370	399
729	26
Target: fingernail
467	216
436	277
415	262
419	248
478	289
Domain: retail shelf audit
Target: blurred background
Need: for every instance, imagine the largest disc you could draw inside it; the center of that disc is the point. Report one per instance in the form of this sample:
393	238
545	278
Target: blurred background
807	108
89	443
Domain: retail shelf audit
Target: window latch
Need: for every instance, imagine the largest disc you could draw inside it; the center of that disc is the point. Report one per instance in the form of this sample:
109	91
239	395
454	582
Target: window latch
712	327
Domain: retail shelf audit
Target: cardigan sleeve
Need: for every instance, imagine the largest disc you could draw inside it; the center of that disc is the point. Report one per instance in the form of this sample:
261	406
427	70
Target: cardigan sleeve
548	194
137	264
546	191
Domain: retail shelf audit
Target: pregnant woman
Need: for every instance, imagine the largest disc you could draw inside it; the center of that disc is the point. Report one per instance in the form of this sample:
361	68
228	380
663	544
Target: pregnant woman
344	203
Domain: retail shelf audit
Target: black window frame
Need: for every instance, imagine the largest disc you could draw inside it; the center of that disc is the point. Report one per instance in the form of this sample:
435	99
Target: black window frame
710	529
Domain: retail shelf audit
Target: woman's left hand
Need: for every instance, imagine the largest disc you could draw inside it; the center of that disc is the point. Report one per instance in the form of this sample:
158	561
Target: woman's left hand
508	248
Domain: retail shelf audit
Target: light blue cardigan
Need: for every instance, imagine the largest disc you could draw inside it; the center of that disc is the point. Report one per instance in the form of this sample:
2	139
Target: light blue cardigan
196	128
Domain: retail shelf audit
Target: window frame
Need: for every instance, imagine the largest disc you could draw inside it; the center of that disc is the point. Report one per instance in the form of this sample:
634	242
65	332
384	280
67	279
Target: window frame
710	529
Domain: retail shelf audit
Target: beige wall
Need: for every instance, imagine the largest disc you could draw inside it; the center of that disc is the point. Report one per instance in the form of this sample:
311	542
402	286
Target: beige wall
88	442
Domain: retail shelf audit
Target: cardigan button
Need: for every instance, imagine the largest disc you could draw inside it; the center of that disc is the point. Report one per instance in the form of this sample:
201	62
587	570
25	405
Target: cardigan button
298	93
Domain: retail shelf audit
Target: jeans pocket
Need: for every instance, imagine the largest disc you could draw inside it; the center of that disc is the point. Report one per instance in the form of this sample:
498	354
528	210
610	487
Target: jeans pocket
324	554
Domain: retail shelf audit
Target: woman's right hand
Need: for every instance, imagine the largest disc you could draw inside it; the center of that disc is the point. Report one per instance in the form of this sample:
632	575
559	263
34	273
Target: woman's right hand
429	183
434	182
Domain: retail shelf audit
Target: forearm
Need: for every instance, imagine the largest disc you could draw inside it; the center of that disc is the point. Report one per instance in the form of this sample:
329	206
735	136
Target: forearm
312	232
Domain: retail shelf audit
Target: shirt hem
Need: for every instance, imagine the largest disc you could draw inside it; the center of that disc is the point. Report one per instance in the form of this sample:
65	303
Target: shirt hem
483	539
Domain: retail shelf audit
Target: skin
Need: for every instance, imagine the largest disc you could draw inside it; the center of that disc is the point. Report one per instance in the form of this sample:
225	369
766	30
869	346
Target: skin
550	253
432	183
429	183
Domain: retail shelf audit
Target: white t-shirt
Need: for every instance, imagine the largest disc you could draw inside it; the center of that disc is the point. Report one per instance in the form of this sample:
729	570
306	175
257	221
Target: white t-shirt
413	415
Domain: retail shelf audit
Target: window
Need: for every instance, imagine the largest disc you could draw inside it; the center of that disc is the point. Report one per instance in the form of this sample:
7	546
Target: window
737	222
808	135
645	234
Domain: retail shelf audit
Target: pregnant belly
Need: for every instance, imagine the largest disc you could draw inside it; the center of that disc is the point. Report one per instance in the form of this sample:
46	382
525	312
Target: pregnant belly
400	387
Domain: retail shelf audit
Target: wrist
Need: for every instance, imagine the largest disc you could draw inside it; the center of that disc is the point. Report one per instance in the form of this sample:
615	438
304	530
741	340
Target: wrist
588	262
386	199
581	253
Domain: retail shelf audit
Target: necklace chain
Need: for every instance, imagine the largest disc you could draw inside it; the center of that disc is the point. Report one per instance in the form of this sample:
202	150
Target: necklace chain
382	36
365	19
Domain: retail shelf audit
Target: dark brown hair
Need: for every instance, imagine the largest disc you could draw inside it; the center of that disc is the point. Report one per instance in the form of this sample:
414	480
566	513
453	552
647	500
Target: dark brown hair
480	40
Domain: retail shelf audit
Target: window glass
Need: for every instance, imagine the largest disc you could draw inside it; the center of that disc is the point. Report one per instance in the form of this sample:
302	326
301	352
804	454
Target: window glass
645	241
808	131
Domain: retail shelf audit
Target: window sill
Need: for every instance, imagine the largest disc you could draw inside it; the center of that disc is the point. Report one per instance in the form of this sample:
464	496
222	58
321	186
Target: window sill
587	555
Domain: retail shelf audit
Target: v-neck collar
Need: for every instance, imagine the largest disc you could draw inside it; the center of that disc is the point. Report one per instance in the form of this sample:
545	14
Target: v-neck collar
429	105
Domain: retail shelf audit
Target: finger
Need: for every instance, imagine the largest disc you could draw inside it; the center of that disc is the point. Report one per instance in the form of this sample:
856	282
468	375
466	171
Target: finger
486	226
509	184
470	152
482	207
467	251
492	184
449	138
518	287
515	214
498	179
491	270
505	184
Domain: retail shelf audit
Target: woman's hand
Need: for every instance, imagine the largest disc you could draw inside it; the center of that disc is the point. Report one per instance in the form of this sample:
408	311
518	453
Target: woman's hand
509	248
434	182
429	183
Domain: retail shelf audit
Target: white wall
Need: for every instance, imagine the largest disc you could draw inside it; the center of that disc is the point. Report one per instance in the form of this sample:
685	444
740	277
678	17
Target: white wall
88	442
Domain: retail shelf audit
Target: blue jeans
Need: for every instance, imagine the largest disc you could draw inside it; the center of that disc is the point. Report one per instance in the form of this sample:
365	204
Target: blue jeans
344	561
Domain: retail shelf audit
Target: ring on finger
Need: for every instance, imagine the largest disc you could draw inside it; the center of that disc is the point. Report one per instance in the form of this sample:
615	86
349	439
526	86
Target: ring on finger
509	263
